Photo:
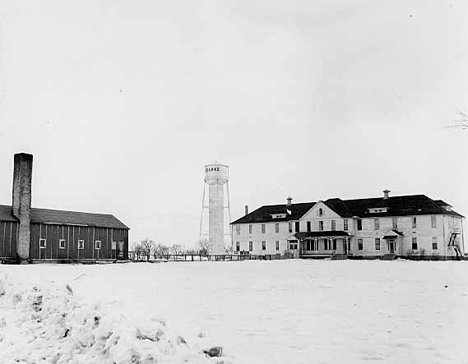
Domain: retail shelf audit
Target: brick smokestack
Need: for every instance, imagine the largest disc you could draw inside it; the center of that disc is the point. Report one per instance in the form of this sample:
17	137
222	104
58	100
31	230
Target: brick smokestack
21	204
246	209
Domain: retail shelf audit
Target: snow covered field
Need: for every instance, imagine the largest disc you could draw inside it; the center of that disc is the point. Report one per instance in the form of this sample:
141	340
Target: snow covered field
281	311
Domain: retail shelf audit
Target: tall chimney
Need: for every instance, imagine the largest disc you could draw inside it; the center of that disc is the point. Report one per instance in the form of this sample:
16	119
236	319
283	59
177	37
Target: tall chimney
289	199
385	194
21	204
246	209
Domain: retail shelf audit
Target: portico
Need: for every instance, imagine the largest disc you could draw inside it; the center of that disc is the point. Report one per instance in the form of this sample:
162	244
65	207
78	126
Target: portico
394	240
321	243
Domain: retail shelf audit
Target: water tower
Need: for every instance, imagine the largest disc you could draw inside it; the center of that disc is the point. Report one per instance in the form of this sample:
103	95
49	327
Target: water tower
219	215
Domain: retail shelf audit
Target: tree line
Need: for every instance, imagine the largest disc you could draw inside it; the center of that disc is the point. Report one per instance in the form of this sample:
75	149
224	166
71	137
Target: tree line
147	249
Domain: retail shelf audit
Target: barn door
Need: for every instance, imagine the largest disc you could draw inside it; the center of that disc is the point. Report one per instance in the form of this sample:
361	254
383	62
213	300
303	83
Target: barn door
120	250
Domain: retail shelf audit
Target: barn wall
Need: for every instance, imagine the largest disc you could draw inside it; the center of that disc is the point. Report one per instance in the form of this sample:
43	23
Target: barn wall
8	238
72	234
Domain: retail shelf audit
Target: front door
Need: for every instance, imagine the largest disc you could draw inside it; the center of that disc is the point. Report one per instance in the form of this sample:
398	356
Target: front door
391	246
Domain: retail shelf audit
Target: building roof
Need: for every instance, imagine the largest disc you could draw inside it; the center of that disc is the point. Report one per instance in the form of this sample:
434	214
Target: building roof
264	213
61	217
395	206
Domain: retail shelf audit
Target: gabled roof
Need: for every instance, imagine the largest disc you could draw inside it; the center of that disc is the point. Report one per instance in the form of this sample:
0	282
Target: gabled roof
395	206
61	217
263	214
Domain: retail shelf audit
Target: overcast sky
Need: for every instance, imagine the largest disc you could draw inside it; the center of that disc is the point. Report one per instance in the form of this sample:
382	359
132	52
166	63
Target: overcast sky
123	102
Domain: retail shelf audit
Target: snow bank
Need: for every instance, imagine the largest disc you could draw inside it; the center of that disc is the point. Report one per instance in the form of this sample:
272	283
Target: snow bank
49	324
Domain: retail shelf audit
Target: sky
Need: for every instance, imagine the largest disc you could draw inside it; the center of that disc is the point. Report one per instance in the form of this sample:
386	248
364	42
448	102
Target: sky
123	103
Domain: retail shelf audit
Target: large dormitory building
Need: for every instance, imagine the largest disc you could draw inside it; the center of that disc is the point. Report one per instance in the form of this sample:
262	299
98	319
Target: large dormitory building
30	234
387	226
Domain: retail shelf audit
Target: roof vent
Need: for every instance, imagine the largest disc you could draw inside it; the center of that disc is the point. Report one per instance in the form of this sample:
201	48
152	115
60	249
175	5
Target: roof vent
386	194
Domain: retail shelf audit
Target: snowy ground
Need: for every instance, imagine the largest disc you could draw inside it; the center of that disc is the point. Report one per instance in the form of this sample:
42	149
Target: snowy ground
283	311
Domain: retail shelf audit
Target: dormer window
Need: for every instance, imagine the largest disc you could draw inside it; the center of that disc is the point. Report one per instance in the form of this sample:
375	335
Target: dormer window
378	210
278	216
448	207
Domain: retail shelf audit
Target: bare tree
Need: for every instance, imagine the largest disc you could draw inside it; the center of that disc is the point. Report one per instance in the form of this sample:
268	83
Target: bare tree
203	246
461	123
228	250
176	249
147	247
160	251
137	251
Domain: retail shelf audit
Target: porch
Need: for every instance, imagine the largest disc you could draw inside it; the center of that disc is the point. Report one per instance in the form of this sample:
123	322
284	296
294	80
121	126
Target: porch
320	244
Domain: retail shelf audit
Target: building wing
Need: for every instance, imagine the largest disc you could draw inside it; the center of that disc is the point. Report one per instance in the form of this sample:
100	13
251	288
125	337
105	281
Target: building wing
366	207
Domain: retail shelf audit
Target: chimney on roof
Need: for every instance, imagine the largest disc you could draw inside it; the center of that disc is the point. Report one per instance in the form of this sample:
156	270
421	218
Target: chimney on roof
246	209
289	199
21	201
386	194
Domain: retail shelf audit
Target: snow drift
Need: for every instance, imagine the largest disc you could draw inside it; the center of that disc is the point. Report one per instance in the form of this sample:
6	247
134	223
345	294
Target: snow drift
49	324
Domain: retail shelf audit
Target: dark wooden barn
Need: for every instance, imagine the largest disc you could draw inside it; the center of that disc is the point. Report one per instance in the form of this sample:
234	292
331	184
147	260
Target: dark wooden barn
32	234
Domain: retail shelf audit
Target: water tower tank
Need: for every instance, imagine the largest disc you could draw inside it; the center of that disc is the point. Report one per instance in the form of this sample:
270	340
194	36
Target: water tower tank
216	174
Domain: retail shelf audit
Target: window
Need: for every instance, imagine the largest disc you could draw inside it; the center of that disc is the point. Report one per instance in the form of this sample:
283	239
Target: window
278	216
97	244
237	229
325	244
360	244
413	219
250	229
395	222
62	244
359	224
434	222
334	244
297	226
263	245
290	227
42	243
321	225
320	212
80	244
333	224
345	224
237	246
250	246
374	211
277	245
414	243
377	243
263	228
309	226
293	245
277	228
376	224
434	243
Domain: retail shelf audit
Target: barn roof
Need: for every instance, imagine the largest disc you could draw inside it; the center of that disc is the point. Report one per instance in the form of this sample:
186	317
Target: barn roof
395	206
62	217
